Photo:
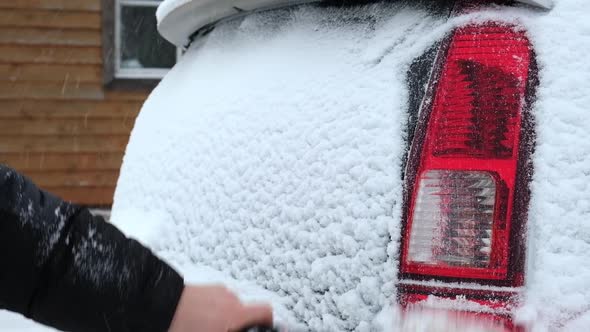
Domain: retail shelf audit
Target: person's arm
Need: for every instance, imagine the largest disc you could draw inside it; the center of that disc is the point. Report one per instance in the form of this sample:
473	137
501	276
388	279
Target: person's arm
65	268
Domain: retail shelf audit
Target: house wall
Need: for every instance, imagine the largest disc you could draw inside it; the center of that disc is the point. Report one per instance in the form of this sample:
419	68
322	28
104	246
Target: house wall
58	124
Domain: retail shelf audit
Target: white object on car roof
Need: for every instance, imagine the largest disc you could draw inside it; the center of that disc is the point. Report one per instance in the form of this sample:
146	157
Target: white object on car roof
179	19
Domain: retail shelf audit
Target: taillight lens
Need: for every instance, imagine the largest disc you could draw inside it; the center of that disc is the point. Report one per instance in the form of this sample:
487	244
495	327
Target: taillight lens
459	213
453	218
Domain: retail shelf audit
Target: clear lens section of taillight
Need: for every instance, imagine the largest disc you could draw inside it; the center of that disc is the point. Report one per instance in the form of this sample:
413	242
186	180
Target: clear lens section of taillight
453	219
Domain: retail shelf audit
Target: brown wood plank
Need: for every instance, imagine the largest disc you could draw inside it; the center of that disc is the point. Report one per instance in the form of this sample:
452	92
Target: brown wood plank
85	195
43	36
50	90
38	18
71	162
76	144
126	95
47	72
66	109
65	90
50	54
74	179
81	127
92	5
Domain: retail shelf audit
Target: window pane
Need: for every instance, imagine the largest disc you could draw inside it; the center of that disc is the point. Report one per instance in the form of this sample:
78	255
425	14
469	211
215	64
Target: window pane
141	45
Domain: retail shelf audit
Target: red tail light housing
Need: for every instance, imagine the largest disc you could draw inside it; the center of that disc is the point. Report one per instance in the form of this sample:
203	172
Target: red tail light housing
464	194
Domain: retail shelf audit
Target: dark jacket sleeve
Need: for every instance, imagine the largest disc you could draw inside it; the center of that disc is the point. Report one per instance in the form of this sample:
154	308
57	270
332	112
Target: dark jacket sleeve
65	268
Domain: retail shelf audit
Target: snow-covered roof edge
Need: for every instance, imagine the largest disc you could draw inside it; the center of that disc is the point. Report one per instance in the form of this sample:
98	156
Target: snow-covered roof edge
179	19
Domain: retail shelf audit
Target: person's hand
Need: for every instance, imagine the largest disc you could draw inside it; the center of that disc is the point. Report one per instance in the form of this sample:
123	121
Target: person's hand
216	309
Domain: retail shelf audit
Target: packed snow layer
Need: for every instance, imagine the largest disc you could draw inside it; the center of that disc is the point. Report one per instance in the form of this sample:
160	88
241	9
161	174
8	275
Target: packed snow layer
272	153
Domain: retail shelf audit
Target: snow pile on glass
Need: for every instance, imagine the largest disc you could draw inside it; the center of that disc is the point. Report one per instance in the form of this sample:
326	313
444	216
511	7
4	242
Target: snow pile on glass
272	153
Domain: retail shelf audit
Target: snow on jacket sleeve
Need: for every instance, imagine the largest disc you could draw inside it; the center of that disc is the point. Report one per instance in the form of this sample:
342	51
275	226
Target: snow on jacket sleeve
63	267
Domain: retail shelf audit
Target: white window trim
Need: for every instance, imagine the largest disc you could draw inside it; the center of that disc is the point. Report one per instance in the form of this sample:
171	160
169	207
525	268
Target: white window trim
134	73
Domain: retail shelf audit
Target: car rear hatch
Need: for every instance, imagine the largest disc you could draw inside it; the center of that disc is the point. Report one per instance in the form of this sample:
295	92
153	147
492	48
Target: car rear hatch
343	156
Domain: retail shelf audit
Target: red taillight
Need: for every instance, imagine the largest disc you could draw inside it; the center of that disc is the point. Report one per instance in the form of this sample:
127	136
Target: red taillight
458	222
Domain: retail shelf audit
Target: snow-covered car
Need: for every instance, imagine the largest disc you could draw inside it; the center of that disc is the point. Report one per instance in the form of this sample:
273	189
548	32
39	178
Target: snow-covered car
403	165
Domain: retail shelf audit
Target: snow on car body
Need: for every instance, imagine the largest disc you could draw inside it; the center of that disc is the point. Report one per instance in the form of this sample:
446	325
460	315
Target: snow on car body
273	153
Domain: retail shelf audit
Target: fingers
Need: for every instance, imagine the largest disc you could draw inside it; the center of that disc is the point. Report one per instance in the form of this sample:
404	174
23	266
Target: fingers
216	308
253	315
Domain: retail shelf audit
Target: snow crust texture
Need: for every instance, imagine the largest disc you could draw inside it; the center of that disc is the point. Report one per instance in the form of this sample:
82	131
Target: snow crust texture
272	154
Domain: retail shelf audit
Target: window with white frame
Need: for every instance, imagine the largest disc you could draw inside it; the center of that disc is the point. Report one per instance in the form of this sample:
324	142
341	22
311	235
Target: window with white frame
139	50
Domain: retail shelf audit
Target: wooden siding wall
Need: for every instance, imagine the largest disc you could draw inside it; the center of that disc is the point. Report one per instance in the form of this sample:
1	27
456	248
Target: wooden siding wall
58	124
